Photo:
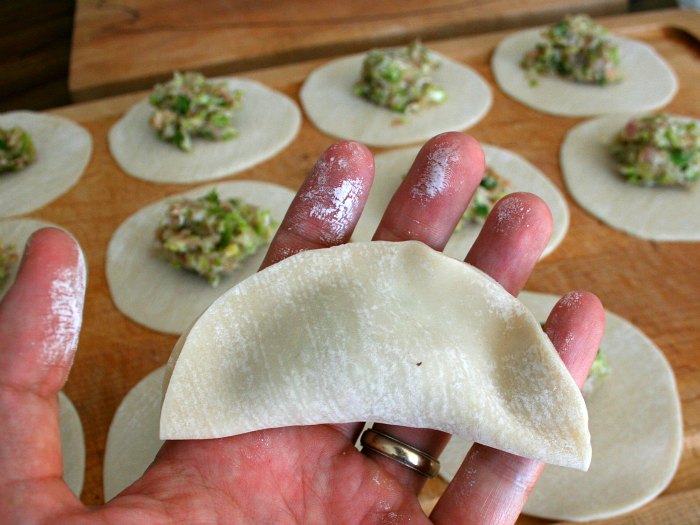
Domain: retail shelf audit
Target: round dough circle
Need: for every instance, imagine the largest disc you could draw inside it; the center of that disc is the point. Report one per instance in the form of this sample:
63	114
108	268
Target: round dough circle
63	149
267	123
661	214
17	233
649	82
392	167
148	290
328	99
72	445
636	431
132	441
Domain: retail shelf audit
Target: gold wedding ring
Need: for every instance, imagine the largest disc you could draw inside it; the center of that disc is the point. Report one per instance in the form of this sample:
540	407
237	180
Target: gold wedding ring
392	448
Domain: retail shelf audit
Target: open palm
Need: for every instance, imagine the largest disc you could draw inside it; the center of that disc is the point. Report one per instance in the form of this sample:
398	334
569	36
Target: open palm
310	475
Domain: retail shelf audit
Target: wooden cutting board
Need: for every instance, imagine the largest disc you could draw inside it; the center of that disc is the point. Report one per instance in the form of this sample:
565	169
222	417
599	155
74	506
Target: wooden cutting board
655	285
130	44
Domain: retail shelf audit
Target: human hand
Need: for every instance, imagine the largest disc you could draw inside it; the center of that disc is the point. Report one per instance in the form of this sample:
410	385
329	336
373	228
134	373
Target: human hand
296	474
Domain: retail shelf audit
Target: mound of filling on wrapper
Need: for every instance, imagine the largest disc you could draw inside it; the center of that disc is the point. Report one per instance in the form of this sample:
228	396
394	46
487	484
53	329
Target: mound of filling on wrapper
664	213
16	150
8	260
190	106
210	236
400	79
658	150
396	102
491	189
41	157
267	121
577	49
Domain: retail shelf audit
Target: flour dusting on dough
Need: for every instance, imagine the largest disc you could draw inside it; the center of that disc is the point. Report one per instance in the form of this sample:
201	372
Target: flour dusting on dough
67	293
501	304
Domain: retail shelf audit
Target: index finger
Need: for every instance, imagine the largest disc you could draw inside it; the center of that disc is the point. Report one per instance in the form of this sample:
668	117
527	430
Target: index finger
326	208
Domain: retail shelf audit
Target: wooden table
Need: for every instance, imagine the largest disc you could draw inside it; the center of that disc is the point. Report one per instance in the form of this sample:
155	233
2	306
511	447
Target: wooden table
653	284
130	44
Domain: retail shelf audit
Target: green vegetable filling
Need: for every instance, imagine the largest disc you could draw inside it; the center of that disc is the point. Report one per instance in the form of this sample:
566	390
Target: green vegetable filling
210	236
577	49
8	260
399	79
599	370
658	150
492	188
190	106
16	150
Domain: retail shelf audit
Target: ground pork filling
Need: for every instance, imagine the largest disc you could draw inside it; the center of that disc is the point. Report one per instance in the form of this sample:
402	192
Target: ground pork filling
211	236
577	49
658	150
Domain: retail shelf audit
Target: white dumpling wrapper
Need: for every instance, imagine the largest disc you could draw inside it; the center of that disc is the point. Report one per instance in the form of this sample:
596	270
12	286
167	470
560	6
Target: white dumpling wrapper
636	431
328	99
393	166
267	122
149	290
63	150
388	332
132	440
590	173
648	81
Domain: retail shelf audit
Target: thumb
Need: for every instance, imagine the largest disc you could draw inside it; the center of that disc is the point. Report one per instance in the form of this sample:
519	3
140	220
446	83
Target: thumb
40	320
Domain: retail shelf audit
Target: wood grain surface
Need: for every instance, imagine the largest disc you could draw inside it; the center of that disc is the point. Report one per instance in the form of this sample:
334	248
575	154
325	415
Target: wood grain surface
655	285
122	45
35	39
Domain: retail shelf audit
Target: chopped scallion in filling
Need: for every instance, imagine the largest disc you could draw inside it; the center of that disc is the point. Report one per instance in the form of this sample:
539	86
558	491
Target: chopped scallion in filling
16	150
400	79
489	191
658	150
599	370
191	106
8	260
210	236
577	49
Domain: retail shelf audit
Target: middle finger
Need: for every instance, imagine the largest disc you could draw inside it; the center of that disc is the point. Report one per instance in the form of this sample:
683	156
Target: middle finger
431	200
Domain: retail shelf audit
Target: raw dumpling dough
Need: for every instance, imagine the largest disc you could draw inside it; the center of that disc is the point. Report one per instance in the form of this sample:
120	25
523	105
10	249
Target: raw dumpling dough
329	101
267	123
376	331
63	149
132	441
660	214
72	445
393	166
148	290
17	233
649	82
636	431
